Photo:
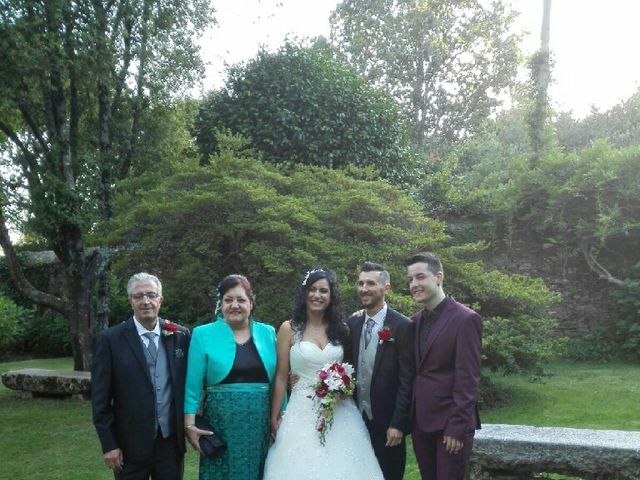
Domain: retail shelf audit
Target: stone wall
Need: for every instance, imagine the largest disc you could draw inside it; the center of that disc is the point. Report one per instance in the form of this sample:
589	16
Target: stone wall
586	301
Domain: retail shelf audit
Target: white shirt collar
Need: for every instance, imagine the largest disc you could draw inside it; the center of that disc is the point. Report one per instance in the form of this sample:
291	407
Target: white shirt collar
378	317
142	330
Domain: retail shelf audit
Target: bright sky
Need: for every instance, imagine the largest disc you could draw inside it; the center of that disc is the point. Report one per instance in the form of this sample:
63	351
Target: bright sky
593	42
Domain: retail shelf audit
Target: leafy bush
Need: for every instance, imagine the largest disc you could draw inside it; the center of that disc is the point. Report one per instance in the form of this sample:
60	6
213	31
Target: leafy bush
620	125
628	322
119	307
46	334
25	332
241	215
519	344
598	345
301	105
13	317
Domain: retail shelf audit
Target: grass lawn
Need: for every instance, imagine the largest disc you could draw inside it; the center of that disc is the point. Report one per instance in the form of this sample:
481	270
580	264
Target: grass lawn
50	439
580	395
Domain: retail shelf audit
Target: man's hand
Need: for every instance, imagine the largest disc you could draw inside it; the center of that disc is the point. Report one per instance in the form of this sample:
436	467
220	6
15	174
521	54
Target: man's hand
394	437
193	436
113	460
452	445
292	380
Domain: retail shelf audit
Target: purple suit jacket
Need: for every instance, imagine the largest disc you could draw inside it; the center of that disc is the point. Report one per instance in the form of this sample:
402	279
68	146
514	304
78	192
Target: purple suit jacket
448	372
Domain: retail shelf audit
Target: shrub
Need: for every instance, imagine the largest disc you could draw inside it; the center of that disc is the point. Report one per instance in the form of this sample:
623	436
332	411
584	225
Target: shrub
239	215
519	344
598	345
46	334
628	322
13	318
301	105
25	332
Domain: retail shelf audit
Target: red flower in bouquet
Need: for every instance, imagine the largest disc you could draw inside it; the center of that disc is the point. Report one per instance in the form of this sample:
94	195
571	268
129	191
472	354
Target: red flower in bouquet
322	391
335	382
384	335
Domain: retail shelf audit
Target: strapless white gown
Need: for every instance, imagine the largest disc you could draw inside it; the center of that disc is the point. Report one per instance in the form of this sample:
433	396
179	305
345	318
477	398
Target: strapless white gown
297	453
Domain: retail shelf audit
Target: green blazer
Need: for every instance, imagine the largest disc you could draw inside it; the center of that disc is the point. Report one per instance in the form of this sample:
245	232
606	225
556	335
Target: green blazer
211	355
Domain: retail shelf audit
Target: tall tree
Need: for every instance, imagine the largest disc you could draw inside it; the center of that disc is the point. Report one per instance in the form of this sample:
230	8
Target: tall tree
79	80
620	126
540	65
301	105
446	61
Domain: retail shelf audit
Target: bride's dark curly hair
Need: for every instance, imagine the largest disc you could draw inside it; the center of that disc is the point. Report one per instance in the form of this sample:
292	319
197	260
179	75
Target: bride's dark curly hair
337	331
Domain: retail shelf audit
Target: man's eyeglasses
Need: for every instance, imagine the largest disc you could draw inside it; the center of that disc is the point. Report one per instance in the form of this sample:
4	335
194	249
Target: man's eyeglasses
149	295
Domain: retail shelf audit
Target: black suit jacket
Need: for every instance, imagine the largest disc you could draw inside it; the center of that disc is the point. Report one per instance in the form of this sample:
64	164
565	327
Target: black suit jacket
122	393
393	369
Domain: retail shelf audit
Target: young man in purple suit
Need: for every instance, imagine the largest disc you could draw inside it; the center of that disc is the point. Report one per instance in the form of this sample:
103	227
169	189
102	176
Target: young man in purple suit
447	349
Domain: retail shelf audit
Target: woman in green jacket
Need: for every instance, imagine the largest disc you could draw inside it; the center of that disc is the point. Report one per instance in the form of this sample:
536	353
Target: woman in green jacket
233	361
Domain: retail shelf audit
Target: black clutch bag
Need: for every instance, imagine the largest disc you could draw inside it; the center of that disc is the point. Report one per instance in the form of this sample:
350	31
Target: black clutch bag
212	446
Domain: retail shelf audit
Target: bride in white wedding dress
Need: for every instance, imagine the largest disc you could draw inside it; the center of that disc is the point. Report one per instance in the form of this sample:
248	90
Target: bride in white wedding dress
313	338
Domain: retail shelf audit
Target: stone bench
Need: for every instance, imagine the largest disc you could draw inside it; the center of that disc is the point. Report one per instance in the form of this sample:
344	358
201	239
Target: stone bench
518	452
38	381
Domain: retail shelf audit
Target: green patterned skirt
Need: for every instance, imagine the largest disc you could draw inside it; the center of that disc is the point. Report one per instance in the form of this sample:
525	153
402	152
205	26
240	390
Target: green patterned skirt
239	412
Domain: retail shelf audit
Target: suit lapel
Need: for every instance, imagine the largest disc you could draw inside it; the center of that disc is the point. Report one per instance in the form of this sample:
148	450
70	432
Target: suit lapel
355	338
168	343
437	329
131	334
388	322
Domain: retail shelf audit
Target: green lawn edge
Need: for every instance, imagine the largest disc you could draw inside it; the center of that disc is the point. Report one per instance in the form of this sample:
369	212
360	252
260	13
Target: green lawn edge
54	439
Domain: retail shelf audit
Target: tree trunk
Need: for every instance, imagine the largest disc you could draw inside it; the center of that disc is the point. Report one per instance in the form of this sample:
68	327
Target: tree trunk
82	332
81	272
87	320
101	309
589	252
542	77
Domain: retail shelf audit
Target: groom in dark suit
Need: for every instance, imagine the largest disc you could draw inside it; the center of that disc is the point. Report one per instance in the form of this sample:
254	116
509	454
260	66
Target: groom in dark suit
444	407
382	345
137	390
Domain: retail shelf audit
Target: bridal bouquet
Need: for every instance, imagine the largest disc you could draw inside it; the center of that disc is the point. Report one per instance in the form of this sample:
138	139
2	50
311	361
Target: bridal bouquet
335	382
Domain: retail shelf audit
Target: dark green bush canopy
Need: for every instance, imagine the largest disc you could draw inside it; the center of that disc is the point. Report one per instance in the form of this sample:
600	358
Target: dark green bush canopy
301	105
239	215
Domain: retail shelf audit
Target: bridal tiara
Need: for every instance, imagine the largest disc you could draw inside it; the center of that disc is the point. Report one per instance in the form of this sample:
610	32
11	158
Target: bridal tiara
309	273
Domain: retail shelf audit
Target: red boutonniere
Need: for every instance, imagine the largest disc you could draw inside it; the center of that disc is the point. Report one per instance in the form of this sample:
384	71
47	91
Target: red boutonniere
169	328
384	335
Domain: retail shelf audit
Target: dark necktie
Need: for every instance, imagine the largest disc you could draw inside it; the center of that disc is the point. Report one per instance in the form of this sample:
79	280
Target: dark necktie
153	350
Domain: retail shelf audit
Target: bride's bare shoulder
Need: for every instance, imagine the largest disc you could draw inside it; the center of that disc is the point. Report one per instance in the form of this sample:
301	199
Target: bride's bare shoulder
286	332
286	327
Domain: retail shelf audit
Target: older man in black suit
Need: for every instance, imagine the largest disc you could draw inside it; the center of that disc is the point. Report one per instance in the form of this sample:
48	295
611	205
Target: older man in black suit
382	342
137	390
